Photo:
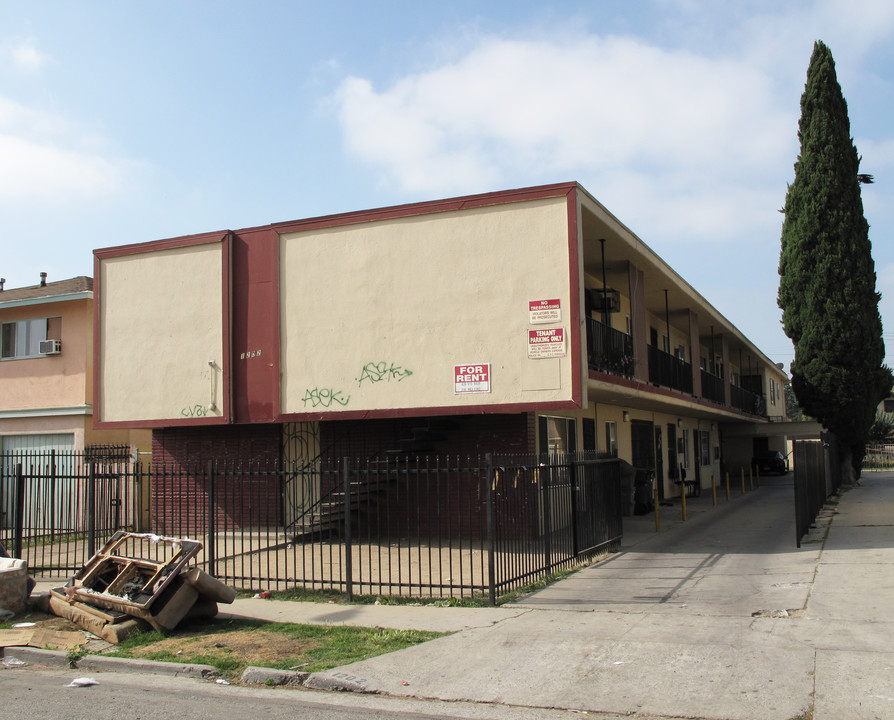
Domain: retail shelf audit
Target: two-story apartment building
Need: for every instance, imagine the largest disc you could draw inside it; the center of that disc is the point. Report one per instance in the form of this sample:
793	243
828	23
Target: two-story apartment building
46	370
519	321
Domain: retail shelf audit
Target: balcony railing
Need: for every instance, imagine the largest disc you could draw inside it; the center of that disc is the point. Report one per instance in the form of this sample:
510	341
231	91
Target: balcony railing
747	401
712	388
669	371
609	350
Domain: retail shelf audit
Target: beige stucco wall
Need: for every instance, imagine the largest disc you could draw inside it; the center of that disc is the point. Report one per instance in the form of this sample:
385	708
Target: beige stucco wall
52	381
363	305
161	323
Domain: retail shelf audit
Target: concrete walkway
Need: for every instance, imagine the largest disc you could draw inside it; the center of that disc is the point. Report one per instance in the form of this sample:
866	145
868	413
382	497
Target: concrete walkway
720	617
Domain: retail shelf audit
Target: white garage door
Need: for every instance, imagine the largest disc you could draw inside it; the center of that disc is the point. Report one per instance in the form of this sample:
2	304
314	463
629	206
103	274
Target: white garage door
36	443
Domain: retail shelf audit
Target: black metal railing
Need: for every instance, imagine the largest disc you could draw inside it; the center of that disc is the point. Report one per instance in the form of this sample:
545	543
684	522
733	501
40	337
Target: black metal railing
669	371
713	387
437	527
747	401
609	350
815	480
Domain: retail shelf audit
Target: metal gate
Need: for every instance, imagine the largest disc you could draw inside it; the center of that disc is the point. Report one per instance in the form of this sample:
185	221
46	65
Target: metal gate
57	507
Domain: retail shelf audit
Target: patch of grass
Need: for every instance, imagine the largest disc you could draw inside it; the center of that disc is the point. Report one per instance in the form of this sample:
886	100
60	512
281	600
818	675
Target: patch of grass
341	645
478	600
339	598
232	645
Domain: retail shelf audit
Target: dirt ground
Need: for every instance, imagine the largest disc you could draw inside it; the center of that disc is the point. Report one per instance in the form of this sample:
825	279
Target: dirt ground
250	647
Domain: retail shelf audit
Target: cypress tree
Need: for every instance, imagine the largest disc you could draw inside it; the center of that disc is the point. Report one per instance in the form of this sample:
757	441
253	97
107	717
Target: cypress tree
827	275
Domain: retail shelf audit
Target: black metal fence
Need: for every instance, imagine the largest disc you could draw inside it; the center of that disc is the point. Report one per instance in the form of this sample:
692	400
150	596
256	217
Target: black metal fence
817	476
669	371
55	507
436	527
609	350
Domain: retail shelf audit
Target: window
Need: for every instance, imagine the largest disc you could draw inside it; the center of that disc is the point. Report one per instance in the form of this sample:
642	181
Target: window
772	391
705	447
611	438
22	338
685	441
557	435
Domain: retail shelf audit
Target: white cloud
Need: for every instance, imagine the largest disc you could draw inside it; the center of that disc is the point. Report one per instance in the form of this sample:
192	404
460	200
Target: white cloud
31	170
25	56
595	107
43	159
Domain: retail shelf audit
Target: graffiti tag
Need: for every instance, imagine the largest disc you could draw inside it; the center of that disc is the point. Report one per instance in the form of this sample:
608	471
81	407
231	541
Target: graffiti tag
194	411
376	372
325	397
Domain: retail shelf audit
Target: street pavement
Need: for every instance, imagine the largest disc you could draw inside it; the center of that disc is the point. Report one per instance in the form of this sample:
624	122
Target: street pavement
720	616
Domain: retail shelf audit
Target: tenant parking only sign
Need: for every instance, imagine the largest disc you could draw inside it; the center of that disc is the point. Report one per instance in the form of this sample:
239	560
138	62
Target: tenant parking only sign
471	378
547	343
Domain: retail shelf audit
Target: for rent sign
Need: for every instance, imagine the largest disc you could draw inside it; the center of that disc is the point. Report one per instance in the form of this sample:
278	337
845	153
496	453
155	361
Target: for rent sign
471	378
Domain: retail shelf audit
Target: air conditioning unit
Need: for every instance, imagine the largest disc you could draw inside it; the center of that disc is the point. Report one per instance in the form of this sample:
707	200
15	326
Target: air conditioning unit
608	300
50	347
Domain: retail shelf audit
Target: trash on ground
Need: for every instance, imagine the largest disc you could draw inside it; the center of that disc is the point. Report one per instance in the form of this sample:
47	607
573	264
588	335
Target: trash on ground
24	625
41	638
137	581
221	681
15	585
12	662
82	682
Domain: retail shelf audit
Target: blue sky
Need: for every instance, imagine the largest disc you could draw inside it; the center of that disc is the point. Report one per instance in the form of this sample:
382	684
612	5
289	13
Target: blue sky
124	122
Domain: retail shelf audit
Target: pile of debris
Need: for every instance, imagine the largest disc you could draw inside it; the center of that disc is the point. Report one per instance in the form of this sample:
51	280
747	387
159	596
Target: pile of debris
139	581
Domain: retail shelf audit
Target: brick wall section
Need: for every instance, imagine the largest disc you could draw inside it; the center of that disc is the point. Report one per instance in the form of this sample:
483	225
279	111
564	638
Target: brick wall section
248	498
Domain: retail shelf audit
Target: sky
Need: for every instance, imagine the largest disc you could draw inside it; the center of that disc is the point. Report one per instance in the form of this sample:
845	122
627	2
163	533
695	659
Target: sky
125	122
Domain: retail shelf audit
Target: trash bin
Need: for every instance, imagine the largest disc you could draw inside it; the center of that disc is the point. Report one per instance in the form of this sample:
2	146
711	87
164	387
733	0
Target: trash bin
643	492
628	477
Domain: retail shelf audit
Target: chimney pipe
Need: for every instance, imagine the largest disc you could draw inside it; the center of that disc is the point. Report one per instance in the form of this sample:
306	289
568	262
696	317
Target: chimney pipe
2	283
43	279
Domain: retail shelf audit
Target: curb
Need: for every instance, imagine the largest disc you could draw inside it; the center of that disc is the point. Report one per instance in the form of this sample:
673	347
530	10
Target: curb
54	658
253	675
338	682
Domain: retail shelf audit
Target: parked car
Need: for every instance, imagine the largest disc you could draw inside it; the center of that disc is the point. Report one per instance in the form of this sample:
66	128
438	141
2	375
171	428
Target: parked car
771	461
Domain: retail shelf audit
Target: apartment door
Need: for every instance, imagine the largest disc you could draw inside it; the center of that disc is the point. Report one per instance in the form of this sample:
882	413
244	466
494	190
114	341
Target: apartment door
673	463
642	442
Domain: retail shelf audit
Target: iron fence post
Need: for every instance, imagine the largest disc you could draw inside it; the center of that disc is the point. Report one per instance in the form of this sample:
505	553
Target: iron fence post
546	489
491	560
349	552
53	494
210	546
20	512
91	509
572	468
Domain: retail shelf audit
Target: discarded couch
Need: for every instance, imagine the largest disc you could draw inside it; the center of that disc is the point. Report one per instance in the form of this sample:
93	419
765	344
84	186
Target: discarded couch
137	581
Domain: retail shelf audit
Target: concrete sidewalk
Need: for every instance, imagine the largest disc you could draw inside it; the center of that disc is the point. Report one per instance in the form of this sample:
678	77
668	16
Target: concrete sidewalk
722	617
